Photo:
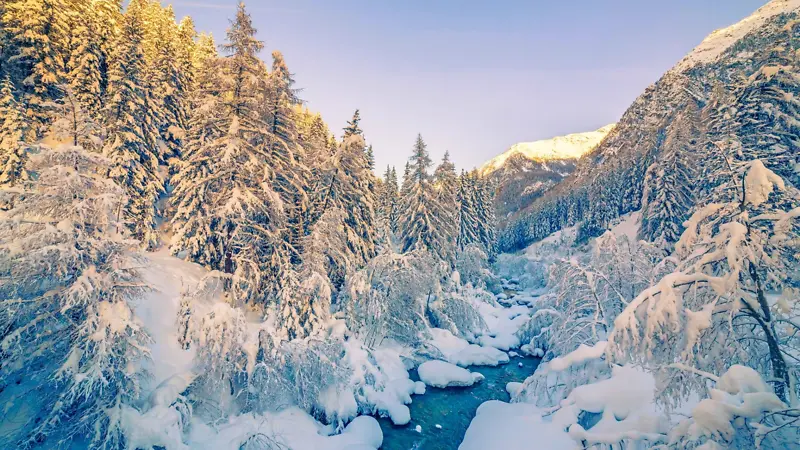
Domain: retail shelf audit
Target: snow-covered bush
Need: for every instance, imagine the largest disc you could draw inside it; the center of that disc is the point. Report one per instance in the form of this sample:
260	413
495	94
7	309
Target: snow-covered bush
390	298
71	345
741	411
528	273
472	264
553	381
455	313
588	291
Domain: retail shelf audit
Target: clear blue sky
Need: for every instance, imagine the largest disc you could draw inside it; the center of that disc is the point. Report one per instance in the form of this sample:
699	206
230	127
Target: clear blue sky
473	76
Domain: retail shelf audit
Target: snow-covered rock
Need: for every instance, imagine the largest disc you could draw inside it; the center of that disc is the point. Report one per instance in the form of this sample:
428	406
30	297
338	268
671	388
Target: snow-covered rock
442	374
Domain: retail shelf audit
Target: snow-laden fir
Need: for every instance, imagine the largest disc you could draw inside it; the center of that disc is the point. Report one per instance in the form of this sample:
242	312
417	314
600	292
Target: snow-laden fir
190	258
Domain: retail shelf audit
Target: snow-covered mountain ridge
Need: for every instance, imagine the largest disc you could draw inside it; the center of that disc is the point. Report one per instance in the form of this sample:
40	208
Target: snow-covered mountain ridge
720	40
570	146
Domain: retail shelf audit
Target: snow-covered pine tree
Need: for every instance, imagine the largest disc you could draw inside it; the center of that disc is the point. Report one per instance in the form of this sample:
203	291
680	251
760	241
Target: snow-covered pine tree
484	214
131	145
107	15
669	183
352	127
422	228
290	174
85	75
386	210
467	219
305	305
370	158
71	344
228	217
349	188
445	182
39	38
13	150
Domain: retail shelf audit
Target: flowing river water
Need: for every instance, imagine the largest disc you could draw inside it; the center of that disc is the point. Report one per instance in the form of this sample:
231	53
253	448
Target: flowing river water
452	408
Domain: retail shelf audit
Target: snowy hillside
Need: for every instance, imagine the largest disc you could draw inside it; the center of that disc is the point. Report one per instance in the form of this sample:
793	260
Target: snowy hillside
720	40
739	82
571	146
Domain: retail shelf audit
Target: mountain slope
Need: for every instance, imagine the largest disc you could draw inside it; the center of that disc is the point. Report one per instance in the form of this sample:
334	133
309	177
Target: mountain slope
740	81
527	170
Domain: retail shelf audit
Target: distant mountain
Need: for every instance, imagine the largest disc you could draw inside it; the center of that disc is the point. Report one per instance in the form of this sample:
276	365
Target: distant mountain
571	146
527	170
740	83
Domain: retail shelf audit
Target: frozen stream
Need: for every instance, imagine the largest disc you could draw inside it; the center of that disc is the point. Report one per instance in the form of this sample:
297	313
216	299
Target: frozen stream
452	408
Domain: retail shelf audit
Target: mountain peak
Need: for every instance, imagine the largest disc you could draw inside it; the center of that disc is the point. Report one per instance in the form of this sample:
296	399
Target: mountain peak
570	146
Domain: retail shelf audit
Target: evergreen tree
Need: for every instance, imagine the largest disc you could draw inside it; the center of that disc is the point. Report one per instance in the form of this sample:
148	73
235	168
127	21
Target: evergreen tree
445	181
107	24
668	196
422	228
131	146
228	216
85	71
13	151
484	214
467	220
352	127
387	199
349	188
39	36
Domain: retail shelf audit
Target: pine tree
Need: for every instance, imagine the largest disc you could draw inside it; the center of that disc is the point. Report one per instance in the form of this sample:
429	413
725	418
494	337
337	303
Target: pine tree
85	71
422	228
349	188
467	215
394	194
387	199
107	17
668	194
131	145
228	215
445	182
13	151
484	214
352	127
39	37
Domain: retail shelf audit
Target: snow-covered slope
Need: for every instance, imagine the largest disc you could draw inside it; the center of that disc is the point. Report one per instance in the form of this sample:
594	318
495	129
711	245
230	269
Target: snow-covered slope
720	40
571	146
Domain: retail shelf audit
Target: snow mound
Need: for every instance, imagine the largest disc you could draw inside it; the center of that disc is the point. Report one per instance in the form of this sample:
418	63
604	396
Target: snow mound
462	353
291	428
443	374
513	426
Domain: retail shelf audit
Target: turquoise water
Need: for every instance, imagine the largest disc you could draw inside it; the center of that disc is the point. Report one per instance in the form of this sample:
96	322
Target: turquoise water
452	408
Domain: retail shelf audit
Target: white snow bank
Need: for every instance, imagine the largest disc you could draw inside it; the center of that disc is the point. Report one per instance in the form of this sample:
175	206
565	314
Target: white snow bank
291	428
460	352
443	374
391	388
513	426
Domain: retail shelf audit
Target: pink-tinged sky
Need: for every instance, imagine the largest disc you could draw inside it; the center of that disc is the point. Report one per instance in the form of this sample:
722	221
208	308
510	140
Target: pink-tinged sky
473	76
